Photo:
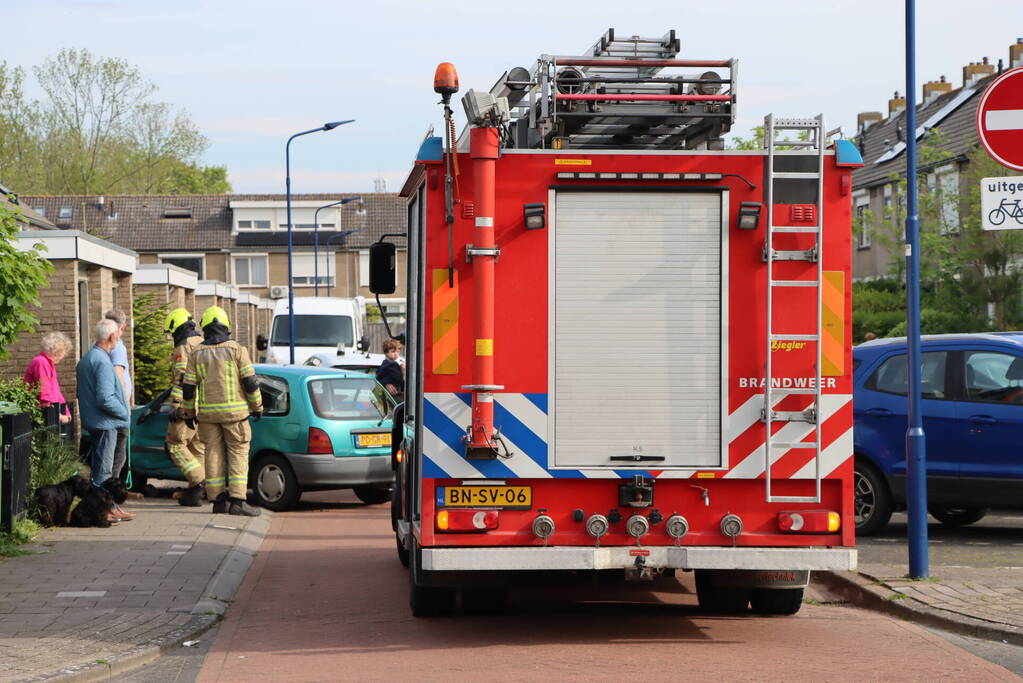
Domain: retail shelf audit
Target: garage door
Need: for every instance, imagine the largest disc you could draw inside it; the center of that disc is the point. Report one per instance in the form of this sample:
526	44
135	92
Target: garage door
636	325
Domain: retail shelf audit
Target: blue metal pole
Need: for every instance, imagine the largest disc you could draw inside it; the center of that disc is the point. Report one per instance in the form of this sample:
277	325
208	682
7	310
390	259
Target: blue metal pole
291	249
916	451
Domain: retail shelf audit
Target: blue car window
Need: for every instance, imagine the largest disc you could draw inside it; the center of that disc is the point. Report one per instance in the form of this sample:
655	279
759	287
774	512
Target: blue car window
994	377
275	395
892	376
349	398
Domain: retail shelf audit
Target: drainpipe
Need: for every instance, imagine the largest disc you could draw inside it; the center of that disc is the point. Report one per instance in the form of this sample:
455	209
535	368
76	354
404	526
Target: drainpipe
483	253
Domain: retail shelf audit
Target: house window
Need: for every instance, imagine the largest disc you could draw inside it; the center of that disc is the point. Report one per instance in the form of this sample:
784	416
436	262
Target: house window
192	262
41	210
862	207
364	268
948	197
65	212
253	225
305	270
250	271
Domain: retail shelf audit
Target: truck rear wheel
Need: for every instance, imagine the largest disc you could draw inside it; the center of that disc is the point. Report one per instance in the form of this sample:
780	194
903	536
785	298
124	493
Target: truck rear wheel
426	601
777	600
483	600
720	599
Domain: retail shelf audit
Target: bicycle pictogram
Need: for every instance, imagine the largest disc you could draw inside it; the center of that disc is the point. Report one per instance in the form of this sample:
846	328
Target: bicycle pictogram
1006	209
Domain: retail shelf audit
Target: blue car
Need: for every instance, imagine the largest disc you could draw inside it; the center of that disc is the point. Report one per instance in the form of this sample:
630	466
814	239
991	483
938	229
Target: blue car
972	388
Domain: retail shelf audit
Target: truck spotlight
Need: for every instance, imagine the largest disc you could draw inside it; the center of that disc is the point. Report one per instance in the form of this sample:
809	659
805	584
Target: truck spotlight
731	525
709	88
749	216
597	525
534	214
677	526
543	527
637	526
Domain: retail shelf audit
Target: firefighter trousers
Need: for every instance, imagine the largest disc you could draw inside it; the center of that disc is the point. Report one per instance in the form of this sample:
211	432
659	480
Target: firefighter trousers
186	451
227	457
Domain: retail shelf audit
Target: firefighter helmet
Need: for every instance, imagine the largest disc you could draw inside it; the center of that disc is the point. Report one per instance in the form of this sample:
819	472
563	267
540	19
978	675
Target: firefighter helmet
175	319
215	314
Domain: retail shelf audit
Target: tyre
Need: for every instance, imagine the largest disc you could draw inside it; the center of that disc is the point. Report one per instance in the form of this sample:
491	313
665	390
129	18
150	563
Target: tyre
396	503
484	600
274	484
373	495
403	554
720	599
776	600
873	500
996	217
426	601
952	516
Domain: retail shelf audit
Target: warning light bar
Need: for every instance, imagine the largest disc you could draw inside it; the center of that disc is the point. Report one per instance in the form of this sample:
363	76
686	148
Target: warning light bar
461	521
809	522
608	175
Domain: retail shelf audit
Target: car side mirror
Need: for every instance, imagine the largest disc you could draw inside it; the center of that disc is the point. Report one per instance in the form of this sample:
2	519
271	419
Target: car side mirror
364	343
382	267
261	342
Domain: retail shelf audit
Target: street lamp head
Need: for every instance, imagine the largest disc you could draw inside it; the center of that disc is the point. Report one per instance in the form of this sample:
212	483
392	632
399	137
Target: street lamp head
334	124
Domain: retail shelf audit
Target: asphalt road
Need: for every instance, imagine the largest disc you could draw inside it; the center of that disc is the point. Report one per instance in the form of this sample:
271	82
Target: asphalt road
327	600
995	541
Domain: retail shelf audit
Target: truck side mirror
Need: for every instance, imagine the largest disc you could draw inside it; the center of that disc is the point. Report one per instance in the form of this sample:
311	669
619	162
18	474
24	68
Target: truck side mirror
382	267
261	342
364	343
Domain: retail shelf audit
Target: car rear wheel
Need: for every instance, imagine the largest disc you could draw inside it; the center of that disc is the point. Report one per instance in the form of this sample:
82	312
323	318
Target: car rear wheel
274	483
952	516
373	495
873	501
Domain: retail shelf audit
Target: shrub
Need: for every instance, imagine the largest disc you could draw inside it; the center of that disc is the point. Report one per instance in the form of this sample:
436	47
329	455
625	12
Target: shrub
152	349
53	459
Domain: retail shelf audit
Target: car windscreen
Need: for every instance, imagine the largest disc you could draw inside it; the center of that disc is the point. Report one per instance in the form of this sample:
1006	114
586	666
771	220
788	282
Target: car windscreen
314	330
349	398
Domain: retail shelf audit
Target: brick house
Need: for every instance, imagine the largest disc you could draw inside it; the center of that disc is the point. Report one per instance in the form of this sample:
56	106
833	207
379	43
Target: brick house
882	141
171	286
242	239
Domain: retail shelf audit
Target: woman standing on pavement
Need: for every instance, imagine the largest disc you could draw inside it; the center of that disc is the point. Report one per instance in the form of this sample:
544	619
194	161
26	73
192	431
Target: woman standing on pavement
42	371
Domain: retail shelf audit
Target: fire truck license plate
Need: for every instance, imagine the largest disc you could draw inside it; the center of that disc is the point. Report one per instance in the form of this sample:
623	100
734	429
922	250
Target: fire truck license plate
372	440
501	497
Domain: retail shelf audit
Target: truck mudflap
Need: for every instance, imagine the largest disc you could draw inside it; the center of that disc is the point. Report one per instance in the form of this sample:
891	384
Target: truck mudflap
674	557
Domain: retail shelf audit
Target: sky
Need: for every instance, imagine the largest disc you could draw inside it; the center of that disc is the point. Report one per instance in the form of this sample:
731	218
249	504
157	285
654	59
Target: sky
253	72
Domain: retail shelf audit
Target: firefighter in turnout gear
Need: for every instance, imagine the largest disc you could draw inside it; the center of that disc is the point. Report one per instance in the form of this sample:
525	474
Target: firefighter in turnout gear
220	391
183	443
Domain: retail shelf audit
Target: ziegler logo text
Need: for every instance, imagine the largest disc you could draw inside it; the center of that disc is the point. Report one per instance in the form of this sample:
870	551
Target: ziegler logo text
787	345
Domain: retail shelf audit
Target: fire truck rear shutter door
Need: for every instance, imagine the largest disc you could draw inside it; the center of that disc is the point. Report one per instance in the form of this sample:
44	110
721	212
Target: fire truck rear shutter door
637	311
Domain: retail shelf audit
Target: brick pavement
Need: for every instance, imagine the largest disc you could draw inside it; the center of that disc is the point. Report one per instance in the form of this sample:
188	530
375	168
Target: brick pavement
94	600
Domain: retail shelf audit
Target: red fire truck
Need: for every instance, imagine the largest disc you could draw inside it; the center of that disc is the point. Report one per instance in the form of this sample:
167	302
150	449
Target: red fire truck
628	349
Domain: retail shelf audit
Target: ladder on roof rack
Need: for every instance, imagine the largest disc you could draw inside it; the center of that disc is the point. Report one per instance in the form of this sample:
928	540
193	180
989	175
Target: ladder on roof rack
791	435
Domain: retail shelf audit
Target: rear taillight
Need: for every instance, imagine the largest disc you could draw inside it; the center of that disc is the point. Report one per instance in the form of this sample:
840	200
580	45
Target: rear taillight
452	521
809	522
319	442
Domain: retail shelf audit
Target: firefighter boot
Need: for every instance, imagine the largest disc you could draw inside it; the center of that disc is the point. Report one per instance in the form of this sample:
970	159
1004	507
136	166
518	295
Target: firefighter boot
192	498
220	504
240	507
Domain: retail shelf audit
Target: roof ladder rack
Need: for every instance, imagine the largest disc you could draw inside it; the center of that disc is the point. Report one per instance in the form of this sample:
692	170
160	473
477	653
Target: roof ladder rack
807	421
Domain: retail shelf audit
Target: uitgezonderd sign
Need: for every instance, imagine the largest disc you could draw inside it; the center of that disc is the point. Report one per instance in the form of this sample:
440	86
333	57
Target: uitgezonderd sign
1001	203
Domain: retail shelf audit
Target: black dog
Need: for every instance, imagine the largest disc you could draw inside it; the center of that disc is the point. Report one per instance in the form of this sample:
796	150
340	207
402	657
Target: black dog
54	501
93	508
117	490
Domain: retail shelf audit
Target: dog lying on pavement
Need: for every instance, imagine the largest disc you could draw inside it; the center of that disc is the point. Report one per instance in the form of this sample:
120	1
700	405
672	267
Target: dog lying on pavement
54	501
93	508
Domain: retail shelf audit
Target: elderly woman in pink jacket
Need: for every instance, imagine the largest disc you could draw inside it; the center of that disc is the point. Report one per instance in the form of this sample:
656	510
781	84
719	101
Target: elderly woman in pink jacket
42	371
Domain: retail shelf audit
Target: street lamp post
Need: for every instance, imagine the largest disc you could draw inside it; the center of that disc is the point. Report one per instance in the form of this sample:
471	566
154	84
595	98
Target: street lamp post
316	240
330	239
291	249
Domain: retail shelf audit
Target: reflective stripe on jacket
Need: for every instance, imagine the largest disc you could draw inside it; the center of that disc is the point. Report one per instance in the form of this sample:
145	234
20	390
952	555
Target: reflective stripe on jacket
179	364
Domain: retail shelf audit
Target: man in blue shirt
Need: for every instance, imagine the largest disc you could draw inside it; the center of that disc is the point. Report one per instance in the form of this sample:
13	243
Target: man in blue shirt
101	401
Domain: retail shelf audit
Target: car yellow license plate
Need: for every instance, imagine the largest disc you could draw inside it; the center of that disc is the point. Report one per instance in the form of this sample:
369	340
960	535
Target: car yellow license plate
502	497
372	440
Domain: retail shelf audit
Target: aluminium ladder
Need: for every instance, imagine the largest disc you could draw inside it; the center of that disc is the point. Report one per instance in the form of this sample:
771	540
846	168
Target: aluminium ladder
812	146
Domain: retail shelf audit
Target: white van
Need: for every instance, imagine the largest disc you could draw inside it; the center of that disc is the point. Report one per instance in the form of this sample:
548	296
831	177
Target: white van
322	325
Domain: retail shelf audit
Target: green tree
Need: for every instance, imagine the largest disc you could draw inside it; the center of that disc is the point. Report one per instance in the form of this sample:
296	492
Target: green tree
22	275
98	130
152	348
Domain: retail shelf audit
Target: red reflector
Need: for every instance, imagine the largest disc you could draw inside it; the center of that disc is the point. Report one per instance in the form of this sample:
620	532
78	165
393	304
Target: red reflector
319	442
809	522
466	520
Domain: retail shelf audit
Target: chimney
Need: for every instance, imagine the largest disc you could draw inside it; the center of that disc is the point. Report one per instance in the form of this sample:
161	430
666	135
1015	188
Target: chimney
896	104
974	72
1016	54
865	119
935	89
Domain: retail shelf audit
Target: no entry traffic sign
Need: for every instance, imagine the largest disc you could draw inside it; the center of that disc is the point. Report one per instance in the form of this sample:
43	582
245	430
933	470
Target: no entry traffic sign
1000	119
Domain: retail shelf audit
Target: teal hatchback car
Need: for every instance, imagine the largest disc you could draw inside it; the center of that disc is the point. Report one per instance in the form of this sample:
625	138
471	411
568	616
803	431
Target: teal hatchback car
321	429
